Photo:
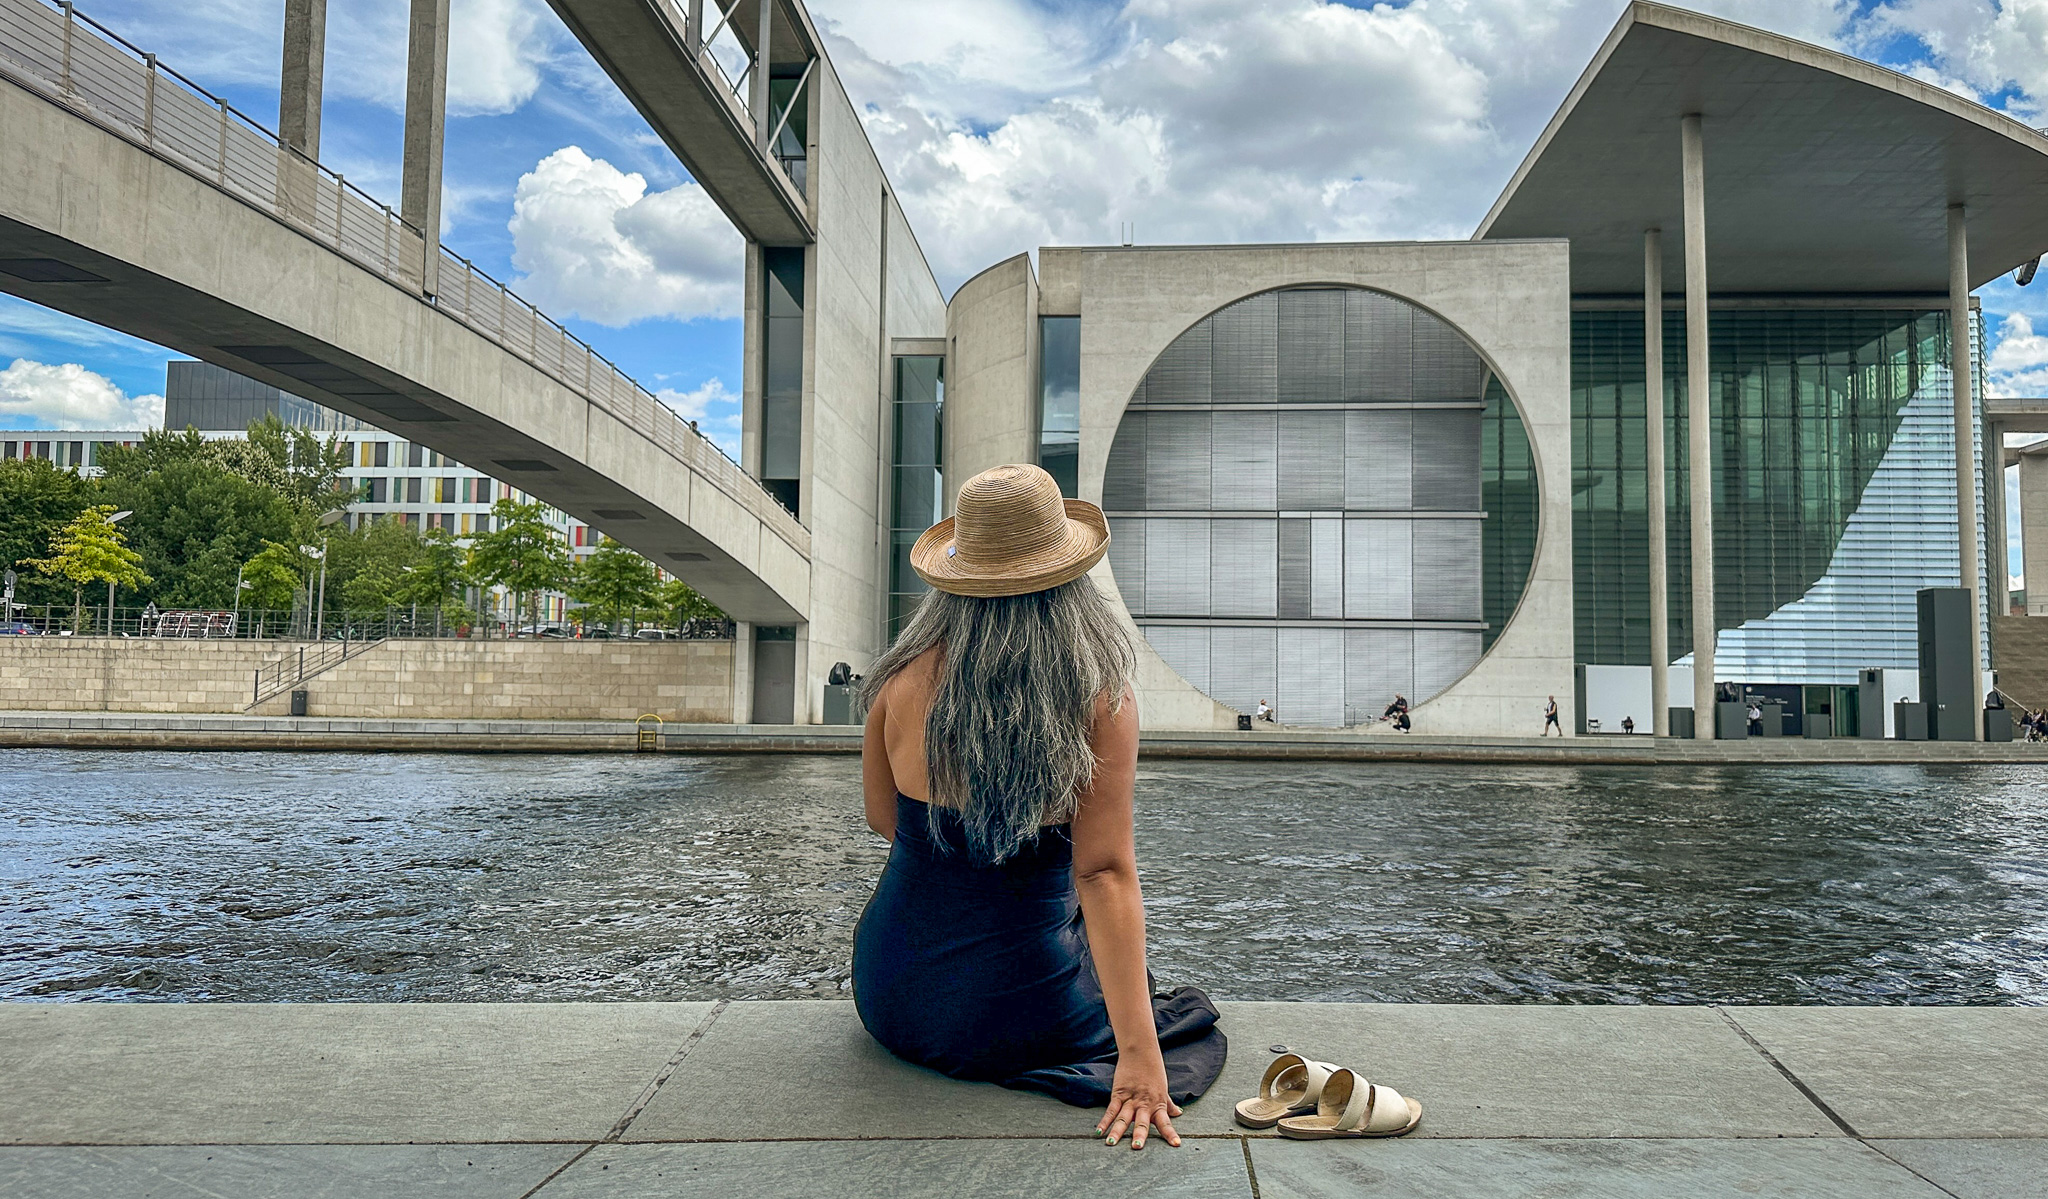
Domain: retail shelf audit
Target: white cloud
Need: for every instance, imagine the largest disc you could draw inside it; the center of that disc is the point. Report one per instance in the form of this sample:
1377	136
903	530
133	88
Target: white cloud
1008	125
1979	48
68	396
594	242
2018	364
713	408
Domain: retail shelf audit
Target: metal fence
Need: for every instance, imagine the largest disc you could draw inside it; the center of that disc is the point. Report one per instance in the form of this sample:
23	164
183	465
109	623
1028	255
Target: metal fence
252	624
62	54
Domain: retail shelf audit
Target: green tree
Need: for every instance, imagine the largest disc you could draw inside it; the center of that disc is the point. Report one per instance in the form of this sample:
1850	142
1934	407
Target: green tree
438	574
90	549
615	581
682	601
37	498
275	575
196	522
522	553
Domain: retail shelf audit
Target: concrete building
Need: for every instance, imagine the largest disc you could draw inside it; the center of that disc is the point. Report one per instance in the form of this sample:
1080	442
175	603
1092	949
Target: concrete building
1684	406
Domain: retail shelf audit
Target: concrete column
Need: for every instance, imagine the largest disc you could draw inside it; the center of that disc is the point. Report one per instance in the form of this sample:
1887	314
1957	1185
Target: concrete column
2034	527
1995	548
426	121
759	102
1964	387
1653	460
742	673
1699	431
305	53
693	27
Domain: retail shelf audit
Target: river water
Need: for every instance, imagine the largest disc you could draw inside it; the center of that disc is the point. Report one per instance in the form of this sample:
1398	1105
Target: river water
515	877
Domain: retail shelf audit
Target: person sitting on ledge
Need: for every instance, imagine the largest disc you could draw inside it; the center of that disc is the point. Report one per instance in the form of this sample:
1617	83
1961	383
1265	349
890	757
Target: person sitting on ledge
1005	940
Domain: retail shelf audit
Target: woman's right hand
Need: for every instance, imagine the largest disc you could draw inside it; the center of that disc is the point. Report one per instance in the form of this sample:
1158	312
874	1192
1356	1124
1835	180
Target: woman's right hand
1138	1101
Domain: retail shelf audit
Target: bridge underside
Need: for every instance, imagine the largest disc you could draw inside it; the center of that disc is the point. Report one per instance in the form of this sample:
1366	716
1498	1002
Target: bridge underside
104	229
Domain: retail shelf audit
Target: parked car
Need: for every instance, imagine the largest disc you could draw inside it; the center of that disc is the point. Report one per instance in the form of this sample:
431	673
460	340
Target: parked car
654	635
17	628
553	628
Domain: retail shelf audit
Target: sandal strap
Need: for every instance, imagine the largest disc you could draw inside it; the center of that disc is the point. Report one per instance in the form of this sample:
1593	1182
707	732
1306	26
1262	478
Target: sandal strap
1318	1074
1386	1110
1279	1067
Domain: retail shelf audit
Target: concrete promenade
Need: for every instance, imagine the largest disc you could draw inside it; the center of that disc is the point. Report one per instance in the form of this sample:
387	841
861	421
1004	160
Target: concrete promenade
200	731
582	1101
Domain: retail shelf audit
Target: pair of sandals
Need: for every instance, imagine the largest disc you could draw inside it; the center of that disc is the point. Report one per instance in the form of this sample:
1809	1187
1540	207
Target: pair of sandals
1340	1103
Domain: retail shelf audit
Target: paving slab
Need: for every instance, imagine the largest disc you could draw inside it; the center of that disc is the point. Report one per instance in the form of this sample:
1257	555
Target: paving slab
154	1074
278	1171
1977	1169
806	1068
1917	1071
1837	1168
959	1169
1531	1070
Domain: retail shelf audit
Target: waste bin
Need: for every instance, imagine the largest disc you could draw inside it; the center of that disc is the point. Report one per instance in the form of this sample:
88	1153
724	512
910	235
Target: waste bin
1680	722
1998	724
298	703
1244	723
839	703
1731	721
1772	722
1909	722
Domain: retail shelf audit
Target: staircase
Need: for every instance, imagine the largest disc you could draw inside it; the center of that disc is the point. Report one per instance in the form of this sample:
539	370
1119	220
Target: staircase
2019	649
275	678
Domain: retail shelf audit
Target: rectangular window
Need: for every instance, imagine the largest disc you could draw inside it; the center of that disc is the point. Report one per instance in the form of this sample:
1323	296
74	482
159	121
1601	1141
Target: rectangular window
782	391
918	491
1059	400
412	490
468	523
414	453
382	456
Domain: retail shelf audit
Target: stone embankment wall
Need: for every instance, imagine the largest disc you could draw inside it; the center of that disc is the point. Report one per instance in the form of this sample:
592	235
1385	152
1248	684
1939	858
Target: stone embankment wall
452	679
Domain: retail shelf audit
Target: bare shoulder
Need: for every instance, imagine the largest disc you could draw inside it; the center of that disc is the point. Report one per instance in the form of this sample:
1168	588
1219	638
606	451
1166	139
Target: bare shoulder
1119	717
916	681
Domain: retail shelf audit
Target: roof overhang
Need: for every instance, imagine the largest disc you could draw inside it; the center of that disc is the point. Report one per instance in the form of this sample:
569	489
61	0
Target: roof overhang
1825	174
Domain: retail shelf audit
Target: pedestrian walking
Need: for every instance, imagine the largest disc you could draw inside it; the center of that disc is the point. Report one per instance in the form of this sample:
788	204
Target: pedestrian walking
1550	718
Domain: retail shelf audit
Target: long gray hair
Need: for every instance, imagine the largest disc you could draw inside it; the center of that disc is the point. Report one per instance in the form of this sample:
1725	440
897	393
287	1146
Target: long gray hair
1006	745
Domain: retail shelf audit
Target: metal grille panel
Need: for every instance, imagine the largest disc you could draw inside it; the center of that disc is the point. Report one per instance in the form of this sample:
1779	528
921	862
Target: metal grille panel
1242	560
1297	577
1445	367
1177	567
1378	566
1378	665
1447	460
1379	333
1326	548
1447	570
1181	376
1123	480
1183	647
1246	351
1311	343
1311	461
1379	460
1442	656
1244	463
1127	560
1177	464
1311	684
1241	666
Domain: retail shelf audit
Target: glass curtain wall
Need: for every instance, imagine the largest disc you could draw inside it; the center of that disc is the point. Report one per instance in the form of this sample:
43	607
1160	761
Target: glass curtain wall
1833	499
917	477
1059	401
1298	494
792	145
782	375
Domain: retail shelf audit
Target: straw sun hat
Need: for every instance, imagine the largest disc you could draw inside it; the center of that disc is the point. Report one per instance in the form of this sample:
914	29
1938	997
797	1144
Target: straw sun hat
1011	534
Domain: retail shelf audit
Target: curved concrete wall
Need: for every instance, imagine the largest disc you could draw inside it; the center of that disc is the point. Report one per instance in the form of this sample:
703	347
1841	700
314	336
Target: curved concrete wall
1510	299
991	372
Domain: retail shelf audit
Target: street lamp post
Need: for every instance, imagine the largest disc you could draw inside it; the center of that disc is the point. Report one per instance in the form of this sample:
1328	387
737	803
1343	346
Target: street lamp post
320	604
115	519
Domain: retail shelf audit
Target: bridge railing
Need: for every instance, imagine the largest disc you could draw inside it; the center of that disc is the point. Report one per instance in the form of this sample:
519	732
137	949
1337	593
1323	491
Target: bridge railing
61	53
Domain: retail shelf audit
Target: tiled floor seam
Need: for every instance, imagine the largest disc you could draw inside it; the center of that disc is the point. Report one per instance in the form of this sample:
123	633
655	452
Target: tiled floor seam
558	1171
669	1068
1908	1169
1251	1172
1797	1083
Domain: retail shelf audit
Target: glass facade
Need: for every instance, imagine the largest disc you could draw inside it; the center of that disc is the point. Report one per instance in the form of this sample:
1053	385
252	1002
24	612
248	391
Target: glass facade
917	484
1298	498
786	95
782	374
1059	400
1834	488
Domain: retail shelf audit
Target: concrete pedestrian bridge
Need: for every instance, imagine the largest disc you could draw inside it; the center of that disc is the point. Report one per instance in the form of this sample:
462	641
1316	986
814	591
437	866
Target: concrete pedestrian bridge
561	1100
140	203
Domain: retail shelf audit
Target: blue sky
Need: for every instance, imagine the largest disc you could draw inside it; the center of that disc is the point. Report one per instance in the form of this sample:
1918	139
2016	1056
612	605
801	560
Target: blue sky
1005	124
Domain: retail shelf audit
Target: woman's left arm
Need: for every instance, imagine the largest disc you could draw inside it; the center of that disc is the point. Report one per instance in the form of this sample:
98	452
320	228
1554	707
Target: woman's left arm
877	778
1106	876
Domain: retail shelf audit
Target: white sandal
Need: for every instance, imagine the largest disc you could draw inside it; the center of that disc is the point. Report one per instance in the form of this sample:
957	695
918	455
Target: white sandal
1352	1107
1292	1084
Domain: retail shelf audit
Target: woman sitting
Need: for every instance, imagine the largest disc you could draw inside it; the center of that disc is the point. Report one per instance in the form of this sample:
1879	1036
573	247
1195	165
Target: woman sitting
1005	941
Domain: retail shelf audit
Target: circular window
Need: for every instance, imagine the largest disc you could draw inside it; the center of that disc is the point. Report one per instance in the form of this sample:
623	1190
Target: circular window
1321	498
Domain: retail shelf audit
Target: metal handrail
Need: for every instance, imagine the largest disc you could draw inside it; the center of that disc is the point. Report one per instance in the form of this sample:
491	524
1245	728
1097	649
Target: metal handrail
105	78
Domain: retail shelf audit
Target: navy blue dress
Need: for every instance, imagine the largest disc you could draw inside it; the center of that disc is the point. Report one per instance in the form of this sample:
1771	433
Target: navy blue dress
983	972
